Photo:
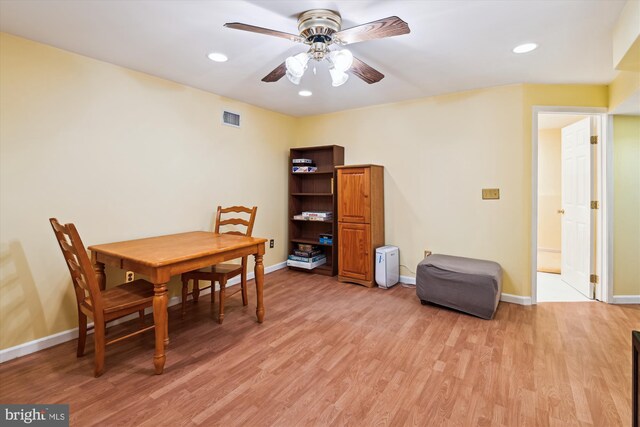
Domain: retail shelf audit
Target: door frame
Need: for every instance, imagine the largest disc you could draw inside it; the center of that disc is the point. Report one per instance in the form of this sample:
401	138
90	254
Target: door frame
604	189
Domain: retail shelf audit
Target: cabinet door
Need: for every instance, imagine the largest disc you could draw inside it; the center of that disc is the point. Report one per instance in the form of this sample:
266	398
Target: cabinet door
355	257
354	189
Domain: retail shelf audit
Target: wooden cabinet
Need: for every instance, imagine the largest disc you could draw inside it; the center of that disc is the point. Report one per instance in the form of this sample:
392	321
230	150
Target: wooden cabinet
360	221
315	191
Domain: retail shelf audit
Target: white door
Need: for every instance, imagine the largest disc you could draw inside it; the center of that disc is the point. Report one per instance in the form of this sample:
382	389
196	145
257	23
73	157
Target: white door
576	206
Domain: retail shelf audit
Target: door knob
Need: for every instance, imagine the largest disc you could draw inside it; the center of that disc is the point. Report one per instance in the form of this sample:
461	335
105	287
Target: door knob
561	211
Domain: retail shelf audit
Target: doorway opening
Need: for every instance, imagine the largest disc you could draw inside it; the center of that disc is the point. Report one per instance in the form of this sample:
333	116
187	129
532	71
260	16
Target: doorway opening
569	183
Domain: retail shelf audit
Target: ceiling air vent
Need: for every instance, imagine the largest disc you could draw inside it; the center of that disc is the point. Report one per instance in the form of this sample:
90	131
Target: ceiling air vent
231	119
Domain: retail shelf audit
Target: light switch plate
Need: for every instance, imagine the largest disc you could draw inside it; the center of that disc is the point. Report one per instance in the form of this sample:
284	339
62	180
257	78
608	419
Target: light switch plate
490	193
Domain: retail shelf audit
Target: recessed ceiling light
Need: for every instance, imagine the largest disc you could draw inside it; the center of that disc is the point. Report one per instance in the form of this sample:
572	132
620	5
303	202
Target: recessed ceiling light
524	48
217	57
305	93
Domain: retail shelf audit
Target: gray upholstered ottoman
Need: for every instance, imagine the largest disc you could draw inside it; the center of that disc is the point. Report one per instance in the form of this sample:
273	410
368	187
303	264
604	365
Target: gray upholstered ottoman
470	285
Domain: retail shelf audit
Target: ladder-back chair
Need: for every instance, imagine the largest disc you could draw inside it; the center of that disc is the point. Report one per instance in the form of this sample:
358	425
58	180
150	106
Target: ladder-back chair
221	273
101	305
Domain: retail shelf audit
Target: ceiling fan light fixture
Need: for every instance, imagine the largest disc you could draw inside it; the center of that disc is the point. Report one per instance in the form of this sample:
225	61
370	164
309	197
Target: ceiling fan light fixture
321	30
293	79
341	59
297	64
338	78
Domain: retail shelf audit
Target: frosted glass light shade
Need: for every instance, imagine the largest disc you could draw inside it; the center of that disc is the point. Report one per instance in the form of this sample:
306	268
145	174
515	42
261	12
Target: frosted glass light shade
293	79
341	59
338	78
297	64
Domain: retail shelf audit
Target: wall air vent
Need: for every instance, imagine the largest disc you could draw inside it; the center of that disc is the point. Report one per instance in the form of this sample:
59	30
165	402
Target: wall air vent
231	119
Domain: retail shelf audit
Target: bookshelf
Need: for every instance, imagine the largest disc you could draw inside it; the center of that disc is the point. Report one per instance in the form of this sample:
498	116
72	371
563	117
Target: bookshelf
315	191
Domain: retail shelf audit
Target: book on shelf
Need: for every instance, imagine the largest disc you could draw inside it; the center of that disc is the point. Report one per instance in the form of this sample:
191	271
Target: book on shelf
317	218
317	214
301	161
304	169
307	254
325	236
306	265
307	247
306	259
326	241
304	217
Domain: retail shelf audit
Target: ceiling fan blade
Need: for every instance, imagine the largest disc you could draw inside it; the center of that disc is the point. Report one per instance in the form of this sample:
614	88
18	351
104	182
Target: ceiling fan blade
386	27
260	30
276	74
365	72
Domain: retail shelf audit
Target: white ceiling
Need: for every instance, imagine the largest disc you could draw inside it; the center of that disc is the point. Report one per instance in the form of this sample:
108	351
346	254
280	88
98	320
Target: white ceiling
454	45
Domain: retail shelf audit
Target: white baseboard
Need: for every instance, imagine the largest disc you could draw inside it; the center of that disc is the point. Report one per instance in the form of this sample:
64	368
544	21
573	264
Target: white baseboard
626	299
71	334
515	299
408	280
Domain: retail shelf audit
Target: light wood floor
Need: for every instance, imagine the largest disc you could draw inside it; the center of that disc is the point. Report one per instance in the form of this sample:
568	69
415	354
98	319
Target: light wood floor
336	354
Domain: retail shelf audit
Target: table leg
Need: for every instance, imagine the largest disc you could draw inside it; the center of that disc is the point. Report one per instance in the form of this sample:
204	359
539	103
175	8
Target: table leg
259	277
160	317
98	267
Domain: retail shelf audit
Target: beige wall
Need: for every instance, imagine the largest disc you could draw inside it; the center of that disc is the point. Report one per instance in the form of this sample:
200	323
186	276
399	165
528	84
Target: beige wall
122	155
549	189
549	200
624	93
626	209
438	154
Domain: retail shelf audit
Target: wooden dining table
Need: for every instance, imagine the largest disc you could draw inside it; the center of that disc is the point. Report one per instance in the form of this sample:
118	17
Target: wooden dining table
161	257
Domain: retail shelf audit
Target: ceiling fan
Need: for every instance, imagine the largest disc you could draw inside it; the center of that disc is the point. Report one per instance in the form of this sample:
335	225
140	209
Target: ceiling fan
320	29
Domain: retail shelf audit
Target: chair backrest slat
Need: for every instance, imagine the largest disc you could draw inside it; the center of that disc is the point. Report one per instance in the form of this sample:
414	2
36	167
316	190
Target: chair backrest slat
74	267
247	224
234	221
236	209
80	268
67	247
57	227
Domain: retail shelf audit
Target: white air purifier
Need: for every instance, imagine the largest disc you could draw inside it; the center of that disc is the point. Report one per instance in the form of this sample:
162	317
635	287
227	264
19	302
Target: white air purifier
387	266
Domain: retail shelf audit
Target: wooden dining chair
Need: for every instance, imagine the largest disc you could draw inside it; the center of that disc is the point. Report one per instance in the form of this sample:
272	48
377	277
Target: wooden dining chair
221	273
101	305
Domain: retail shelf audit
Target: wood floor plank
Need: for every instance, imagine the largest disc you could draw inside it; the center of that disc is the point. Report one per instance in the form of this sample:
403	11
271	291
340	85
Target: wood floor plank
331	353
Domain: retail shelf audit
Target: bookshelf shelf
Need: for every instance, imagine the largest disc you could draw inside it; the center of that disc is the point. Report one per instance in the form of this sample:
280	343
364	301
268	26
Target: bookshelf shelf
323	172
309	241
307	220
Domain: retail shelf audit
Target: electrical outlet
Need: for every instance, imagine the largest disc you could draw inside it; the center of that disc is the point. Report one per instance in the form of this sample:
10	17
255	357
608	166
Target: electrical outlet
129	276
427	252
272	243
